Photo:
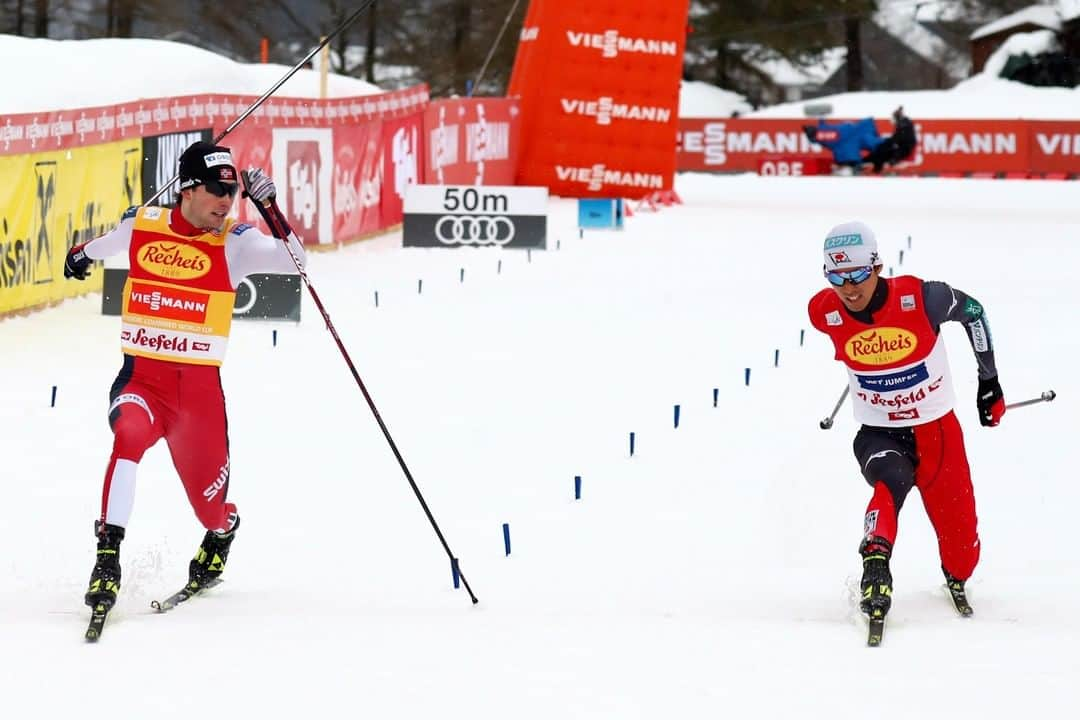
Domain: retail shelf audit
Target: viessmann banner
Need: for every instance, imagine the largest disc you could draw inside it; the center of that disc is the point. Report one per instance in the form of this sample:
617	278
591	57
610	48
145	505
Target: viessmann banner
599	89
945	146
472	141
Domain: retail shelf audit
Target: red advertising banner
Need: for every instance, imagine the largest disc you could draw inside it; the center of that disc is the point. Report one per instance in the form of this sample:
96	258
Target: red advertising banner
403	163
64	129
472	141
599	90
944	146
326	156
358	174
1055	147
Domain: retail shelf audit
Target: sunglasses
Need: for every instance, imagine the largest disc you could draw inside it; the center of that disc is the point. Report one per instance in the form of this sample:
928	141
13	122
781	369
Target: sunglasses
220	189
856	276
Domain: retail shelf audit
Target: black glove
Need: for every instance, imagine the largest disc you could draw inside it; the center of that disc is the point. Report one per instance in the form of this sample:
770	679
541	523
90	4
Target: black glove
260	188
811	132
77	265
990	401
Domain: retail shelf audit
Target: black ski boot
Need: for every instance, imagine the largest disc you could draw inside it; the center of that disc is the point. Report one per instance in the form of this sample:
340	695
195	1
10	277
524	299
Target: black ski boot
105	577
876	582
209	560
958	594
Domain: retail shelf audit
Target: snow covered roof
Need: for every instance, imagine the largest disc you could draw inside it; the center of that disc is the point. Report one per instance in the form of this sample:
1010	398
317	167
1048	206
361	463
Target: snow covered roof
900	22
1045	16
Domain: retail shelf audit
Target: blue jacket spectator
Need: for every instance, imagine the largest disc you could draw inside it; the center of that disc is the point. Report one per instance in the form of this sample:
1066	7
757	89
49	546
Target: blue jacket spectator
847	140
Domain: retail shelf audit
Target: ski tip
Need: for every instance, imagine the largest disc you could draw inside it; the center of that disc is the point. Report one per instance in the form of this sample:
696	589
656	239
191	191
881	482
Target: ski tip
92	636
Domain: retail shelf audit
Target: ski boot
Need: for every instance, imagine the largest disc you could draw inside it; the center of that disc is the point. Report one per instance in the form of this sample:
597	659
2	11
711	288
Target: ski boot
876	582
209	562
958	595
105	577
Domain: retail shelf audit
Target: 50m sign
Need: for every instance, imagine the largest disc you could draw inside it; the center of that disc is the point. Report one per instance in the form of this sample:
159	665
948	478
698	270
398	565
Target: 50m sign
472	200
478	216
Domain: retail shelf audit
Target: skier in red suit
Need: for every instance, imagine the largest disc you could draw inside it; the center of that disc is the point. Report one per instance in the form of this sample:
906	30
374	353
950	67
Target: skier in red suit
886	331
186	263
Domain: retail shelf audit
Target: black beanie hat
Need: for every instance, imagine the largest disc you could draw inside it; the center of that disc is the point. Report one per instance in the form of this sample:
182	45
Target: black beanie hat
204	161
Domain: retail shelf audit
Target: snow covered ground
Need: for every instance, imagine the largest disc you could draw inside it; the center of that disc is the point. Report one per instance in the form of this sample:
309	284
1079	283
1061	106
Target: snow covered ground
88	73
708	575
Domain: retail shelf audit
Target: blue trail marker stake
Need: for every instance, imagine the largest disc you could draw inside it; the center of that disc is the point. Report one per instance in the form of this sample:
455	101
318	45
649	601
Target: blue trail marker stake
676	416
420	286
273	335
376	298
577	487
776	358
580	233
456	572
631	444
498	270
901	258
748	377
908	242
462	275
890	271
715	396
52	403
558	244
528	254
802	336
506	538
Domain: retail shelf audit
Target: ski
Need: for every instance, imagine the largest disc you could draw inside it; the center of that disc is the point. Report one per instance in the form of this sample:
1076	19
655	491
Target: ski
959	599
877	628
189	591
98	615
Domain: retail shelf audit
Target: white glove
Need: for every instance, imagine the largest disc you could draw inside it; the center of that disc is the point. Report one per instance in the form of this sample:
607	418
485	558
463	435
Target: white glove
258	186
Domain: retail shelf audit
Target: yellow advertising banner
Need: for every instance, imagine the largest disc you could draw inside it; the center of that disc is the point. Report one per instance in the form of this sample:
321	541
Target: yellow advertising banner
52	201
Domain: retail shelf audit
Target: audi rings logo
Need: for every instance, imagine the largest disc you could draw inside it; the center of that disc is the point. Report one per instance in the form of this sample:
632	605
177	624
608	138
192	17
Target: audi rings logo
479	229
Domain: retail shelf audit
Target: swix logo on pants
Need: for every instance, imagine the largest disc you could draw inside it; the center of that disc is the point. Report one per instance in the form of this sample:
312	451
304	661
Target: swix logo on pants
607	129
220	481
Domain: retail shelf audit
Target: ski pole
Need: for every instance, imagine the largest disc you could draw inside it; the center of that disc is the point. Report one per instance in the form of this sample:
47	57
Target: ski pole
827	422
1045	397
279	232
255	105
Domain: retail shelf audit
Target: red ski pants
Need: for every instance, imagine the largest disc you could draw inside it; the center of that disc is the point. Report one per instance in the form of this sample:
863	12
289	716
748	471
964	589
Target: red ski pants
183	403
930	457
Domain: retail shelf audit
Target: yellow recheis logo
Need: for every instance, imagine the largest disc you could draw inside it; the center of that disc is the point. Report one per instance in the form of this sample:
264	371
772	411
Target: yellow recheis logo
174	260
881	346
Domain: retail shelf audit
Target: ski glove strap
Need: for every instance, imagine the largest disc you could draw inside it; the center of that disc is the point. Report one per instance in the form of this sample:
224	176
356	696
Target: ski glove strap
990	401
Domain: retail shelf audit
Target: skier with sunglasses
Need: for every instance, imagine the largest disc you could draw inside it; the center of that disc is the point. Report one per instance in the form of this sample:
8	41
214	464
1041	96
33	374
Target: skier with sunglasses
886	331
185	265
